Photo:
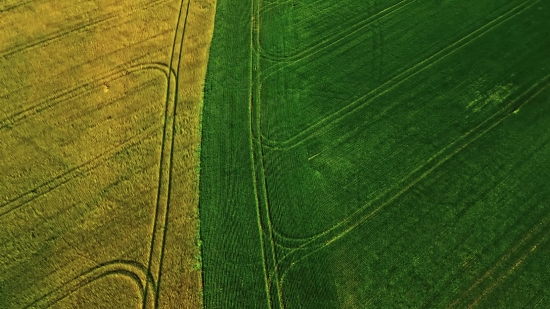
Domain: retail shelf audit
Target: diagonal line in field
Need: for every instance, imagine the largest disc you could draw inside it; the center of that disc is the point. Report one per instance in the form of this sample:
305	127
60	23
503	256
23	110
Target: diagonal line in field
490	289
24	198
506	257
471	37
273	273
79	28
391	84
81	90
322	240
290	242
6	7
333	39
149	286
129	65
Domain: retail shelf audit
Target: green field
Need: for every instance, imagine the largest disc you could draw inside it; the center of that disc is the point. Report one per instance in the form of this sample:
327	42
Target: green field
385	154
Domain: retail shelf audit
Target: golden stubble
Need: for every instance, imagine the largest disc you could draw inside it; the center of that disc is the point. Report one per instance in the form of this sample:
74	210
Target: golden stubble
181	285
82	110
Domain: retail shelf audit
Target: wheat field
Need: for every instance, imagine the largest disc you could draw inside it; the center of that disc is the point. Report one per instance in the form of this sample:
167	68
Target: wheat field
100	106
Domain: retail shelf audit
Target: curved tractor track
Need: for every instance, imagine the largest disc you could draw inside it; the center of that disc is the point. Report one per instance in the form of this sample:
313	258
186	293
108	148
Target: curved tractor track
148	86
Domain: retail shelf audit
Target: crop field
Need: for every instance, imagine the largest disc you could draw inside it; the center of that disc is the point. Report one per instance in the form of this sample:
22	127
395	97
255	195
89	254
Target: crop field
99	146
377	154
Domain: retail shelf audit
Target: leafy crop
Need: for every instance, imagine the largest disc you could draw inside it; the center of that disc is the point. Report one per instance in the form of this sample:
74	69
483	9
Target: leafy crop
376	154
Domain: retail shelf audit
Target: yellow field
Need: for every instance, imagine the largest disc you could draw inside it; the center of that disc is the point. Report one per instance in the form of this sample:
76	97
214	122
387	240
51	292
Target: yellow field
99	138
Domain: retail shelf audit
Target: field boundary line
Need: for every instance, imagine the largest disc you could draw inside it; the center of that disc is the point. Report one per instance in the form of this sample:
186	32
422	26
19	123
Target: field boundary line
56	36
389	85
324	239
132	270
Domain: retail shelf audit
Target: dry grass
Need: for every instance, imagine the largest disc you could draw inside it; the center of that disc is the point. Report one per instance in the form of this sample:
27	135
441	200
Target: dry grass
99	141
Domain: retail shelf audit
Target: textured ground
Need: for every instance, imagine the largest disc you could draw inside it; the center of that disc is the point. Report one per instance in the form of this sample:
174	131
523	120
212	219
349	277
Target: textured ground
377	154
99	140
